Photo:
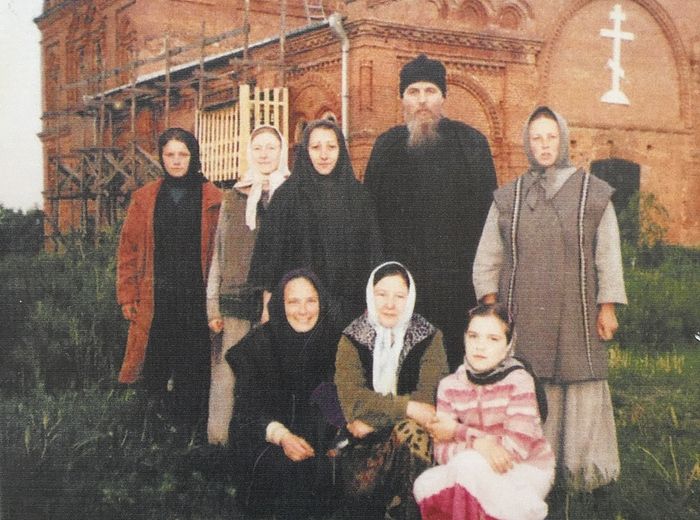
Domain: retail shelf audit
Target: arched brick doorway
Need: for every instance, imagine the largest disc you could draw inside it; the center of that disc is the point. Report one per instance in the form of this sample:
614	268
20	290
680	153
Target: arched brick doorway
621	175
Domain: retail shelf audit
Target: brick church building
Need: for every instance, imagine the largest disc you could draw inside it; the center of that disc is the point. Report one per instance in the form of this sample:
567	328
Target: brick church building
625	73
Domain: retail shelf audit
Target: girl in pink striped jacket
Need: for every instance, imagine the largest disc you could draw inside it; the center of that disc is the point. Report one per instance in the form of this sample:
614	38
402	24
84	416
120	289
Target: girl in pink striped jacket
494	461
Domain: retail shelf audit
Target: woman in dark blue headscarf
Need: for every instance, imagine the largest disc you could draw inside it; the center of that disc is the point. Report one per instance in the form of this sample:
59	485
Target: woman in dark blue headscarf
321	218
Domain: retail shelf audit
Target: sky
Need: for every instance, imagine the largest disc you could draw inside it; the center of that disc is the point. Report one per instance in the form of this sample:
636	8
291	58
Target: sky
21	175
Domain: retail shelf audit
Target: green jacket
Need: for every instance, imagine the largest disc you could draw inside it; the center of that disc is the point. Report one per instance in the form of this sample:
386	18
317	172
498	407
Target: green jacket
422	365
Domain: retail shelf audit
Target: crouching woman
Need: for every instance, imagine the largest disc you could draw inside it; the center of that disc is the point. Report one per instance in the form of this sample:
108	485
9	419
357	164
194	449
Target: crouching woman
278	436
388	366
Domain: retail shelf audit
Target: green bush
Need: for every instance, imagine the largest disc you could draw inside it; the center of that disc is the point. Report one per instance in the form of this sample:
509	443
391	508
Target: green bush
662	281
65	329
21	233
662	308
643	226
92	454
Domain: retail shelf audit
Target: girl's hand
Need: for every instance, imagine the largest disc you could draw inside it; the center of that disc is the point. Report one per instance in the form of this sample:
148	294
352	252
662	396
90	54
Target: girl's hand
442	428
359	429
216	325
129	311
496	455
296	448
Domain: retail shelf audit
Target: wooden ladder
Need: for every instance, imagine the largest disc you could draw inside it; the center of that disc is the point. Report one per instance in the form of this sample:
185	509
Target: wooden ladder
314	10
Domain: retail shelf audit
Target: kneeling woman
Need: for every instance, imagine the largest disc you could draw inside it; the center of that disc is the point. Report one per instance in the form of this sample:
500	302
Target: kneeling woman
278	436
388	366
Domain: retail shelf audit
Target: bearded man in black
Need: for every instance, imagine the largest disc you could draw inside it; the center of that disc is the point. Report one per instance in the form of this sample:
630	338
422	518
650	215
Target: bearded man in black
432	181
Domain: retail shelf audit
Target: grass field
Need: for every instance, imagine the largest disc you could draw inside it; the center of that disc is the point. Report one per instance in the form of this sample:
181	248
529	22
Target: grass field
658	421
88	454
71	448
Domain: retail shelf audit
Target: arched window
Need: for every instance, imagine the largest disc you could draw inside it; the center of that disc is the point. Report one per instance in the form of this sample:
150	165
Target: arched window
621	175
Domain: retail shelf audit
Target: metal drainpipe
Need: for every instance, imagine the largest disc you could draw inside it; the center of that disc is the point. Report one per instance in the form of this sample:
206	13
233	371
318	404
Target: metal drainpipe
335	21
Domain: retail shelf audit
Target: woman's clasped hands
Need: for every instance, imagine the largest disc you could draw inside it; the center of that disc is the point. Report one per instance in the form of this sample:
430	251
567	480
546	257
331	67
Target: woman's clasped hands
441	427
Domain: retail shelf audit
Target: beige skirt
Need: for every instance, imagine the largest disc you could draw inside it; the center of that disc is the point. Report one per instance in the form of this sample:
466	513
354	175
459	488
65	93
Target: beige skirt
222	382
581	429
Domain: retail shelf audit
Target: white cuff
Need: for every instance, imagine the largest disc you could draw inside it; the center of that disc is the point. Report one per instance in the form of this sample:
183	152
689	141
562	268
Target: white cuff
274	432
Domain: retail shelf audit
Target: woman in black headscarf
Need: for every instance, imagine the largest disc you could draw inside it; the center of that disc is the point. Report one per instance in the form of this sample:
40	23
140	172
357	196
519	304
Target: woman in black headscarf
278	435
321	218
163	260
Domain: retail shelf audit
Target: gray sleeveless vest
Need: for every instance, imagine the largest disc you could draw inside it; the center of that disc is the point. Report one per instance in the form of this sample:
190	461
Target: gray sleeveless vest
548	278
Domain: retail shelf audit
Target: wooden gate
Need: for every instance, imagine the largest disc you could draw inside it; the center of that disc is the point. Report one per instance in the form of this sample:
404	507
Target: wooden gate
224	133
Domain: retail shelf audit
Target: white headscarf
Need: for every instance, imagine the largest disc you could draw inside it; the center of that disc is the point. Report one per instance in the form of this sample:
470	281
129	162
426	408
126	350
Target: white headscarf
388	343
255	179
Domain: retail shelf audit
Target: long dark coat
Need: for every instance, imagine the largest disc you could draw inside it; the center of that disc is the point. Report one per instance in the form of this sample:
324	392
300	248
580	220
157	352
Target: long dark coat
324	223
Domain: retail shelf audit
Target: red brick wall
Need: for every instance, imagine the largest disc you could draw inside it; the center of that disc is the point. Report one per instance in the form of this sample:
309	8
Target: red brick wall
502	56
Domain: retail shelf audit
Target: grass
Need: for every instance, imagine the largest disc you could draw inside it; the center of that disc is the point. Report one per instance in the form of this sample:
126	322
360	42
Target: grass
71	448
656	403
92	454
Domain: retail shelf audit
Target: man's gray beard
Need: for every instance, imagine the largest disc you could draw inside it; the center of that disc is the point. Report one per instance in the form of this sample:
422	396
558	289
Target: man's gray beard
422	134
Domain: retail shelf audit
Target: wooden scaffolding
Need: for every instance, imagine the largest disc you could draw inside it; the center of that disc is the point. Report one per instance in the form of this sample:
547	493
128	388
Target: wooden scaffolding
102	175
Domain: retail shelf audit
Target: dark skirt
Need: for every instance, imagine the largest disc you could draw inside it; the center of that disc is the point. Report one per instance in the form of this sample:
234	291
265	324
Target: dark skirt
177	366
295	490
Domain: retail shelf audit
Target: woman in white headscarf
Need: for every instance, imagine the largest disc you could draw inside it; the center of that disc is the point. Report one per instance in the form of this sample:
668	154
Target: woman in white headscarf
388	366
232	303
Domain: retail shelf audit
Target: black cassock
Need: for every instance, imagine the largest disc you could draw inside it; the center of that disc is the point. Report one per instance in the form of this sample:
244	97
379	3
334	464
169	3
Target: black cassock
431	207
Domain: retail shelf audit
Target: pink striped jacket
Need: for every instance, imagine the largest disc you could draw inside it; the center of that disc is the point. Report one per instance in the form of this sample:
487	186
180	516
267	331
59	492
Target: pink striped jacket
506	410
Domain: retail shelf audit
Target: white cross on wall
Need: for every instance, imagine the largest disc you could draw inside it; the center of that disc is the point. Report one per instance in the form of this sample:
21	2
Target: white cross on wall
615	95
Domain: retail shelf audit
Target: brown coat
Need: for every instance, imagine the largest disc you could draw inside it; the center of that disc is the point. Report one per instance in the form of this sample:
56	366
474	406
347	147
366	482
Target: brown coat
135	266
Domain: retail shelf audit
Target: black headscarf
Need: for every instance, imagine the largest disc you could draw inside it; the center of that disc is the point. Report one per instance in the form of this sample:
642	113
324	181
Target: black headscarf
194	174
322	222
306	358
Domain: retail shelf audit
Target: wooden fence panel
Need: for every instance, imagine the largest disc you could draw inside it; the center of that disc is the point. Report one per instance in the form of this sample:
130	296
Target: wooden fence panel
223	133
